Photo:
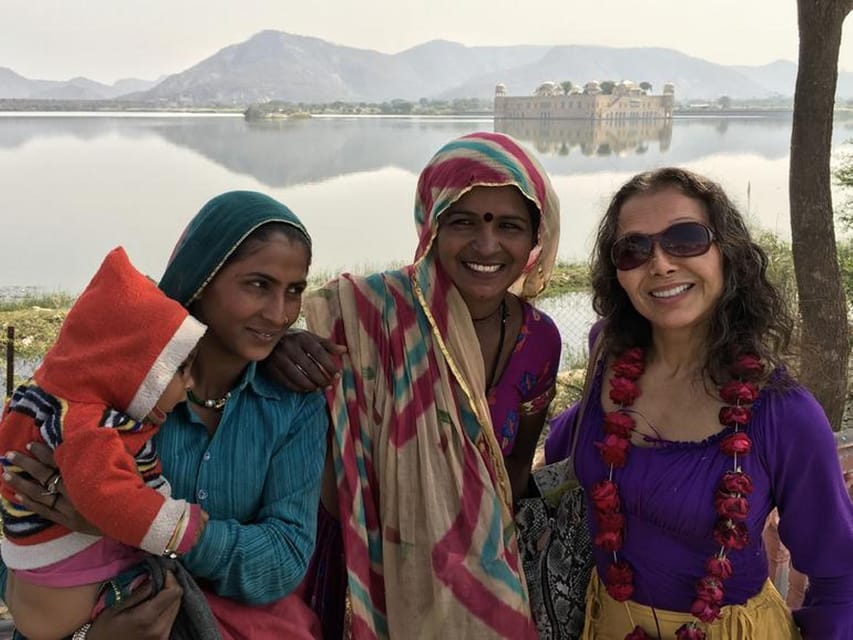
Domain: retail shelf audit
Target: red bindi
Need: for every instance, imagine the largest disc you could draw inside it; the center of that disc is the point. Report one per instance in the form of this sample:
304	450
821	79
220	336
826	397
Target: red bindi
488	217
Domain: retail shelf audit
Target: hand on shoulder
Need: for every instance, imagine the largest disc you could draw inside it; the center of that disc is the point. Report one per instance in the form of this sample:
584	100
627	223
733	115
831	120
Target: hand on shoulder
303	361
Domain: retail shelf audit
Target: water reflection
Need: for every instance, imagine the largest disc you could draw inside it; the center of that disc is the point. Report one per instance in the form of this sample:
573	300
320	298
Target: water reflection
287	153
277	153
82	184
590	137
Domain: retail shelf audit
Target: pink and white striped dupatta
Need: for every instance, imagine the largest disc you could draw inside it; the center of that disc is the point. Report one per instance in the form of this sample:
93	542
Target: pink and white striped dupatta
425	501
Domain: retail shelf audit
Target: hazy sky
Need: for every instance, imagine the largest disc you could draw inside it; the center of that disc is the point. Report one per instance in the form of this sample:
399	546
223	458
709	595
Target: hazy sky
110	39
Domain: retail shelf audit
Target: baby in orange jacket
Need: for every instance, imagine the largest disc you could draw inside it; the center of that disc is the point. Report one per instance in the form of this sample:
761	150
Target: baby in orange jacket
120	364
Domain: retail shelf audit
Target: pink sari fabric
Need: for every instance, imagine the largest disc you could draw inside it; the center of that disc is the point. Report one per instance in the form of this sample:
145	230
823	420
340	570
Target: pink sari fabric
288	618
429	538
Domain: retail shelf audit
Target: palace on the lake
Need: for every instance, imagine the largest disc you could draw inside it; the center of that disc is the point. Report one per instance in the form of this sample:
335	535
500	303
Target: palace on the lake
623	100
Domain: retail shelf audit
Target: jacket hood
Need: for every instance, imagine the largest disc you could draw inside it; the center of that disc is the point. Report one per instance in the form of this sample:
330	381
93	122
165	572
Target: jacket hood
121	343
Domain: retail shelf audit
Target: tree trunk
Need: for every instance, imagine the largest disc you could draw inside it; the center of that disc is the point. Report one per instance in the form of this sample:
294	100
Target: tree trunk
823	308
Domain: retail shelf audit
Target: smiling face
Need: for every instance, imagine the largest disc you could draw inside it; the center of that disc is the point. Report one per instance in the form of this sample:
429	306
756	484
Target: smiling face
484	240
254	298
673	294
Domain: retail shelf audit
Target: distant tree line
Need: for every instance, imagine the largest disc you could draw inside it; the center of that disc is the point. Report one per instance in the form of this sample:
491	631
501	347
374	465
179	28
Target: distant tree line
397	106
424	106
26	104
605	86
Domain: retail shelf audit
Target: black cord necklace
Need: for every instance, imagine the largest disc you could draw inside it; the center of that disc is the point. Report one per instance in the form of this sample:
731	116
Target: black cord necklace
217	404
504	315
492	314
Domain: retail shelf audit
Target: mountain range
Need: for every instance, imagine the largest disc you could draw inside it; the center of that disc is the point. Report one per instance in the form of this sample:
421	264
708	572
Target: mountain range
274	65
13	85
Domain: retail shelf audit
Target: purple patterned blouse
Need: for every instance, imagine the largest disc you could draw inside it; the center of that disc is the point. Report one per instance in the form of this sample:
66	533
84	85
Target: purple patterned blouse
528	378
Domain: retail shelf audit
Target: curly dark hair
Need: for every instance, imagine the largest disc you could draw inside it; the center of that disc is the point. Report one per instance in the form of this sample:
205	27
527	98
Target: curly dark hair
751	316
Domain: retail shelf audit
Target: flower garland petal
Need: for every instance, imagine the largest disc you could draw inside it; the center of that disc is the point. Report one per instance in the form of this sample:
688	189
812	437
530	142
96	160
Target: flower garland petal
730	498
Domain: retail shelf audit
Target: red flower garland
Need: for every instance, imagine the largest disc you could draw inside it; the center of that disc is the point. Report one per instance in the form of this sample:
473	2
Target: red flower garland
730	497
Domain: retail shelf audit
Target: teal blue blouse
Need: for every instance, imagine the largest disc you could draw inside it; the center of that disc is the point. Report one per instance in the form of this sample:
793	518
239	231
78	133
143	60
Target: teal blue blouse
258	477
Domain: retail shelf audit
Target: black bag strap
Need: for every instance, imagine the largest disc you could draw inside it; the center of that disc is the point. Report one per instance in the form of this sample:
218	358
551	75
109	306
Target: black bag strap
594	355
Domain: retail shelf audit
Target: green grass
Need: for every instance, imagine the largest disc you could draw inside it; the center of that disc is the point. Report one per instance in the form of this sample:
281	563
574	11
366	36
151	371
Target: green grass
36	320
568	277
42	301
35	331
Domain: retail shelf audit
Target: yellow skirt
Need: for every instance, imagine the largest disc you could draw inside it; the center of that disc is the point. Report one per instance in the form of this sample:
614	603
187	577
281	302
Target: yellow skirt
762	617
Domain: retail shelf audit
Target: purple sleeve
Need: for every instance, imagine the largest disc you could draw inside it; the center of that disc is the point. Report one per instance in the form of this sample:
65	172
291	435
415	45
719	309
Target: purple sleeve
543	353
558	443
816	514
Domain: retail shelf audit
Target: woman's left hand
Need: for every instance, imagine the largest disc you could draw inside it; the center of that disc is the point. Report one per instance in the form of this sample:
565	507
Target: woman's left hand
304	362
46	495
141	617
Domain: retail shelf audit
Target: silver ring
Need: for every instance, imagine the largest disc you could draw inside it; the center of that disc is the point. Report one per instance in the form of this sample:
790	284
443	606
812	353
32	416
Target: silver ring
314	360
300	369
51	487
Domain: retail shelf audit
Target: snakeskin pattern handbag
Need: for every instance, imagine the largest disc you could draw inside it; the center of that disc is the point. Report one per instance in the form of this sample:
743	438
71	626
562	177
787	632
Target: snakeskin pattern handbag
554	540
556	552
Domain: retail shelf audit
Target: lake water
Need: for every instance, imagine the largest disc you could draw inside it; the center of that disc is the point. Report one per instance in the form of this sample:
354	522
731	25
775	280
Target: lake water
72	186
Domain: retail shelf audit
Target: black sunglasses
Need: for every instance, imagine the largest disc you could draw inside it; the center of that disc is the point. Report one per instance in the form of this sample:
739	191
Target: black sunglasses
682	240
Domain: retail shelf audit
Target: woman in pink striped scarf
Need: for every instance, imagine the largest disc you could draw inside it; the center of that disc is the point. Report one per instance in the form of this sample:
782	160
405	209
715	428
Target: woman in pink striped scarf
441	396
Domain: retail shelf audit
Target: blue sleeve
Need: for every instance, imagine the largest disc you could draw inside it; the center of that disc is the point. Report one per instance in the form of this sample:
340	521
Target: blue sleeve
815	512
266	559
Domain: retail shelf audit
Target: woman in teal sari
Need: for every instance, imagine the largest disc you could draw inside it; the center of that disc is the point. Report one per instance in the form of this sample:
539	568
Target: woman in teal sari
248	451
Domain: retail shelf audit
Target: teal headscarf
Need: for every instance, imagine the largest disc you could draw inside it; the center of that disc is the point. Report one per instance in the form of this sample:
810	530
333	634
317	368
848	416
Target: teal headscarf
213	235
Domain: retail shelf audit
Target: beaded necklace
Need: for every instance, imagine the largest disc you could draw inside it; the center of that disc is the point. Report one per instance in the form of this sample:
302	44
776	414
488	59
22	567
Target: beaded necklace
216	404
730	497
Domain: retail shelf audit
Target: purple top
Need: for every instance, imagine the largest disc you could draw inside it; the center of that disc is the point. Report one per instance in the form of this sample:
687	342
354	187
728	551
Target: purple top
530	373
667	494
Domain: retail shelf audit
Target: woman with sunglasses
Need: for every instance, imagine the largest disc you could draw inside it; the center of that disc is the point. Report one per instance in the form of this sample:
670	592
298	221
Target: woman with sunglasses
695	431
